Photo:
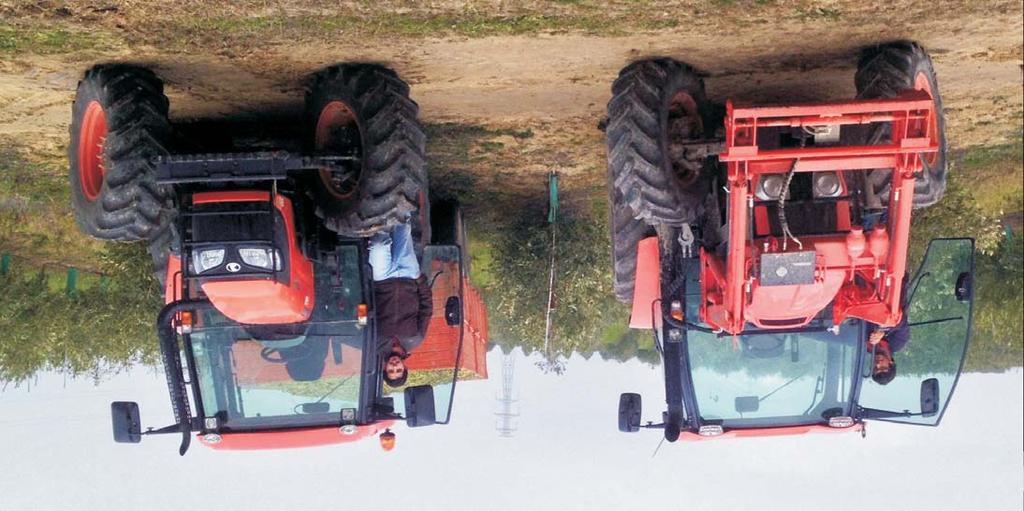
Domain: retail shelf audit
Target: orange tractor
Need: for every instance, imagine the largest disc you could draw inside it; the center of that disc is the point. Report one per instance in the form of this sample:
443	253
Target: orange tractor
264	263
765	244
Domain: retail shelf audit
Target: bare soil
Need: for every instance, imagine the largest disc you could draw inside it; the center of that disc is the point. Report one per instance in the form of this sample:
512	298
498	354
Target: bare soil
555	83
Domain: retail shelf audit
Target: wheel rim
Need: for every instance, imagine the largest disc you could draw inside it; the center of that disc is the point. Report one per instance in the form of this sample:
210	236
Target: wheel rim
338	132
92	138
922	83
683	113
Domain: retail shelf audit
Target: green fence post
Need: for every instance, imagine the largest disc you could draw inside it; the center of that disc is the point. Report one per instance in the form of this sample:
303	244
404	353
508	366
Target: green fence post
552	197
72	282
5	264
104	282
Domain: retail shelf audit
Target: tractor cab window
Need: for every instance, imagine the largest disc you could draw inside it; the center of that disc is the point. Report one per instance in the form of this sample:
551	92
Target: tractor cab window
768	379
439	361
939	317
256	376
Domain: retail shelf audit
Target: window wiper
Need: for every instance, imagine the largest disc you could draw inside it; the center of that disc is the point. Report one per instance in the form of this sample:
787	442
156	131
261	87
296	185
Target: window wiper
819	387
321	399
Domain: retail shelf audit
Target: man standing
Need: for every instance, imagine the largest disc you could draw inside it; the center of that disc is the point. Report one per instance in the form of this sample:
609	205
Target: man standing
402	297
884	343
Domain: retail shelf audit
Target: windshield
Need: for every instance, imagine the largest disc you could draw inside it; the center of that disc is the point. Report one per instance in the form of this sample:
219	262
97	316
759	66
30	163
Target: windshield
773	379
255	376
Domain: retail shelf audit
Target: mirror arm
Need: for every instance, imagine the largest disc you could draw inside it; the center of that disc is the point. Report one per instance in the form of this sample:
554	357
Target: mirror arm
933	321
173	428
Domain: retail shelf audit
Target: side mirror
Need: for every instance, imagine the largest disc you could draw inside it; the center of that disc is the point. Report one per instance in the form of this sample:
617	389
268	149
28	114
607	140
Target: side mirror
419	406
929	397
964	286
747	404
630	406
453	311
124	416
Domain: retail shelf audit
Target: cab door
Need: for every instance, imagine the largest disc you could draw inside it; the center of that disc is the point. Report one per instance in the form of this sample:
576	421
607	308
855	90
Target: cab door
439	360
939	319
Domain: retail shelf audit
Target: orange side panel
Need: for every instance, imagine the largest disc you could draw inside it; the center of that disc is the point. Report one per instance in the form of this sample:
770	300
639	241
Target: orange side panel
843	215
292	438
761	225
763	432
647	287
441	342
172	286
234	196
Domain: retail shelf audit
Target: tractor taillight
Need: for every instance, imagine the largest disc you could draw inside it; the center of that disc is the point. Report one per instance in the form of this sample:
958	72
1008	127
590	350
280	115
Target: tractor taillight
361	314
676	310
185	322
387	440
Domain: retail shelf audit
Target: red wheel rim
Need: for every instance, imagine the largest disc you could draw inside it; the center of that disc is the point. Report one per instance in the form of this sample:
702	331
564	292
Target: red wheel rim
683	105
91	139
922	83
336	126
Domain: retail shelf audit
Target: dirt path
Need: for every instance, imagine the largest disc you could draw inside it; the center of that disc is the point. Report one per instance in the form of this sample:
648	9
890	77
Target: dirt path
557	85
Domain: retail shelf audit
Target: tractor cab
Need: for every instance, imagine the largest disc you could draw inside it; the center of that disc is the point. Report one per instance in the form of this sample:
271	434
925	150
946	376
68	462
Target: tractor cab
312	382
815	378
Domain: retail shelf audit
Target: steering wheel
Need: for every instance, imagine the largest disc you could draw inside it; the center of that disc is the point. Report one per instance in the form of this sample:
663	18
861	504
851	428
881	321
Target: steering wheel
764	346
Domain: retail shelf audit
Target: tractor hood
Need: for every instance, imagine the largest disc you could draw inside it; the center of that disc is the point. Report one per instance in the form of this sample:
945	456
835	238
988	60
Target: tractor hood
246	259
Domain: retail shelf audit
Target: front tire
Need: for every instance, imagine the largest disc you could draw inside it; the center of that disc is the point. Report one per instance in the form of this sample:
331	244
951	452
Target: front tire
885	71
657	105
364	110
119	124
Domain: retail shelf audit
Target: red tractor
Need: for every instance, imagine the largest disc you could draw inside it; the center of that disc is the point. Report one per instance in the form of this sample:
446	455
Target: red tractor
264	263
764	253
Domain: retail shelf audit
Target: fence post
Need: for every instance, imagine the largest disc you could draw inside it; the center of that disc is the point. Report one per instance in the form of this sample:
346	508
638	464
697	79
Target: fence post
552	197
72	284
5	264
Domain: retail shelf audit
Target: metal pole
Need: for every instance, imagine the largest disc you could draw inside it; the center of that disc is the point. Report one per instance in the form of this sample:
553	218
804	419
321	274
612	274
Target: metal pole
5	264
552	217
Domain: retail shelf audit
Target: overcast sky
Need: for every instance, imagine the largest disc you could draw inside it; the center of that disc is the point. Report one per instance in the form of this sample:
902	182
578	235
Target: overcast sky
566	455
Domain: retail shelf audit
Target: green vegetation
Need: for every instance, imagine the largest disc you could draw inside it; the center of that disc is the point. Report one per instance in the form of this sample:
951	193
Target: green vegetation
229	31
35	220
47	39
99	331
511	248
981	184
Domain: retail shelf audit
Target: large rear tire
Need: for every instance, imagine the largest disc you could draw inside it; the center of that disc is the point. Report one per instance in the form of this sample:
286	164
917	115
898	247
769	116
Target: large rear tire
626	233
119	125
364	110
657	105
885	71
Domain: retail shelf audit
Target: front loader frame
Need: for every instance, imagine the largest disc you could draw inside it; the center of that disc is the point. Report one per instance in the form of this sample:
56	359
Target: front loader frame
727	286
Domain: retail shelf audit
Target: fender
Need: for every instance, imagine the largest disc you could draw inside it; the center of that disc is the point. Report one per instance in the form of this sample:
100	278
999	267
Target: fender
647	287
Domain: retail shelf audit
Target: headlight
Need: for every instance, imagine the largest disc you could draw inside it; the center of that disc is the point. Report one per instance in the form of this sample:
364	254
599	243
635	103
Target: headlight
203	260
260	257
